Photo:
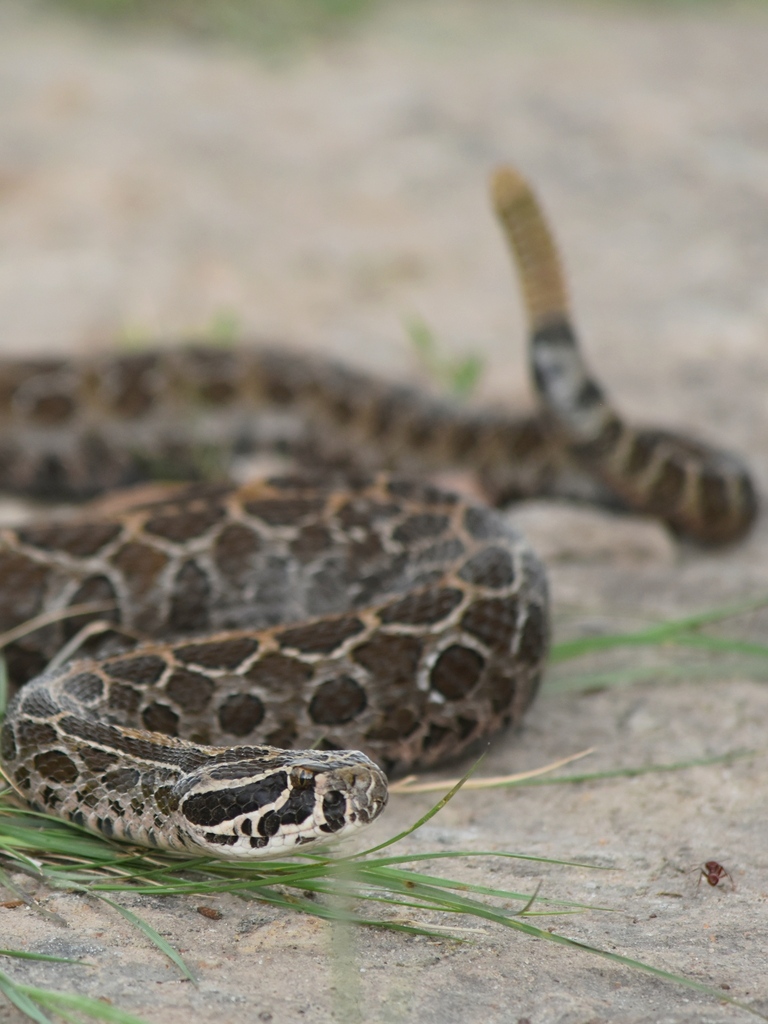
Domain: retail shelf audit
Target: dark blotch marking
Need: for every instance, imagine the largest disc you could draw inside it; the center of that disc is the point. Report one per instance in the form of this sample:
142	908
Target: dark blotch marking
392	660
161	718
396	723
284	511
311	541
216	806
77	539
190	597
144	670
362	512
463	439
443	552
667	488
93	590
589	395
558	332
184	524
52	410
190	690
383	415
50	476
241	713
523	439
425	494
38	703
167	799
713	496
299	806
234	548
640	454
97	760
422	526
465	726
34	735
501	689
217	392
226	654
269	824
747	500
220	840
494	622
85	686
535	637
131	386
492	568
424	609
337	701
24	587
56	766
122	780
456	672
140	564
482	524
334	809
7	743
124	700
322	637
278	673
422	433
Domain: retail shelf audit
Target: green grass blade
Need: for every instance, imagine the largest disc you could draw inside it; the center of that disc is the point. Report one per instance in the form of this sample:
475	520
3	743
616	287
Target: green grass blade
654	635
382	875
21	954
154	936
61	1002
16	995
408	858
722	645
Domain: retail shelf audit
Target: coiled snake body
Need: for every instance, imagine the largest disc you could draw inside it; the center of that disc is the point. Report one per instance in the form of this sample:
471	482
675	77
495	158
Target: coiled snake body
251	622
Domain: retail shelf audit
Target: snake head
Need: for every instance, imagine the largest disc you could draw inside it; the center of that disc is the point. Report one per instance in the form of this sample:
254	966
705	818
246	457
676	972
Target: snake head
288	801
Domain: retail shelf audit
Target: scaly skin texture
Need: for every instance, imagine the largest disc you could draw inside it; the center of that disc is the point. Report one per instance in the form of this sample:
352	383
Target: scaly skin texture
378	614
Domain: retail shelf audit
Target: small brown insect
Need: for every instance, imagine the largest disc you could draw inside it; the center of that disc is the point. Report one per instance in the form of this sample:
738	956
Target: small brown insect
211	913
714	873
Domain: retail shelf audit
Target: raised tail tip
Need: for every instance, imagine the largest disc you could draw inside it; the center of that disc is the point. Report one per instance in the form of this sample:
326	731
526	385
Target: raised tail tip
508	187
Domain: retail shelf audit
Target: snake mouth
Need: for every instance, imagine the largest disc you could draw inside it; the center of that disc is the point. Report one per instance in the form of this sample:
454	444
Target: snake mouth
276	812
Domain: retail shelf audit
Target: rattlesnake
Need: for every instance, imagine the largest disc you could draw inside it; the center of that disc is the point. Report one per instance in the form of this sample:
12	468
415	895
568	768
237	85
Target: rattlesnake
382	615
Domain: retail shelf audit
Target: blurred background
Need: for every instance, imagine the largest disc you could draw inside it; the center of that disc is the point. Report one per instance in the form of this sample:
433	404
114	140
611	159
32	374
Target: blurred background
316	171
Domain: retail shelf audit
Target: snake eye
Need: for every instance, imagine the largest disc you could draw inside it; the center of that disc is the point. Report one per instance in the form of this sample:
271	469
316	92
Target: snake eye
302	778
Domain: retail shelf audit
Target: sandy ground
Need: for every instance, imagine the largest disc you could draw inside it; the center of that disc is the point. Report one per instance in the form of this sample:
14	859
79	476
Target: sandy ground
156	187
